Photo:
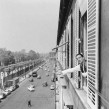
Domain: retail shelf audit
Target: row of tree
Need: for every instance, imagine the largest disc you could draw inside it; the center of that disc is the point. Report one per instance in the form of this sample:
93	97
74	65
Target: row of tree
8	57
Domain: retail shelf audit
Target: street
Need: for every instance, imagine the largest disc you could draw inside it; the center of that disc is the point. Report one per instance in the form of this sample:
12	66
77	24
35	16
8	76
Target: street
41	98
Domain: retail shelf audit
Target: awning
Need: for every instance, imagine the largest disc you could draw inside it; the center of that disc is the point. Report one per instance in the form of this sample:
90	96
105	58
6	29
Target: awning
82	6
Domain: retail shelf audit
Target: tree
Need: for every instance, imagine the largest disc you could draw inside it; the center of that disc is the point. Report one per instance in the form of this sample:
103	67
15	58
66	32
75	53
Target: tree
20	56
6	57
33	55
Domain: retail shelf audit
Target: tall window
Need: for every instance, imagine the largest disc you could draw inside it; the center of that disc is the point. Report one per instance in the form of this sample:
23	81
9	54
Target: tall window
83	36
83	45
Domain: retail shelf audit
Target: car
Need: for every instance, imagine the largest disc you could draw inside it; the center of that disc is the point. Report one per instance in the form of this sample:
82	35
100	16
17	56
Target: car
31	89
47	74
45	84
31	85
11	88
15	86
40	67
34	74
31	80
6	90
29	76
52	79
2	96
38	77
52	87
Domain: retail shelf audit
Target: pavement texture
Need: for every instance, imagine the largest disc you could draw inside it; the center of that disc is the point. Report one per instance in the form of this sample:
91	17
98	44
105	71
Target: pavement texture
41	98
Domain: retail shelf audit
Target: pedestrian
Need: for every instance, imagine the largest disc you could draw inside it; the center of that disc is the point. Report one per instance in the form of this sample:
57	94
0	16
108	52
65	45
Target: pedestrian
29	103
80	67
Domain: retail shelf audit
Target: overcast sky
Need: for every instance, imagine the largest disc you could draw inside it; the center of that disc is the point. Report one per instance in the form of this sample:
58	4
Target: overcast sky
29	24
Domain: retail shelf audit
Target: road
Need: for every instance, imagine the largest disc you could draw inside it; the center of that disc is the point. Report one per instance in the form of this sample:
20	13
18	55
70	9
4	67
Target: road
41	98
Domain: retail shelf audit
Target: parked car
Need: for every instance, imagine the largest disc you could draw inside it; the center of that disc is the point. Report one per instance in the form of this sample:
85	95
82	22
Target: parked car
15	86
52	87
11	88
7	90
2	96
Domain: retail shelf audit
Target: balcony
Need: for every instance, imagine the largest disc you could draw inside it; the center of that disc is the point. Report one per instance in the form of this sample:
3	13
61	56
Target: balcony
71	95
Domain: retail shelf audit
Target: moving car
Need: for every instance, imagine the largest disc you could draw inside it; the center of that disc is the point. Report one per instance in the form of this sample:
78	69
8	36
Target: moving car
31	88
31	85
47	74
29	76
31	80
52	87
40	67
38	77
52	78
45	84
34	74
45	69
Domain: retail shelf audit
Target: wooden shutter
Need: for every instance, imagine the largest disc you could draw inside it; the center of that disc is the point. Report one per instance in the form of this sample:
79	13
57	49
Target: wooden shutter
92	55
76	37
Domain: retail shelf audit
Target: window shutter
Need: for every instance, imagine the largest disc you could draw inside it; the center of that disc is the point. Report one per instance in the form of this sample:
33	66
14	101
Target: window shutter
76	37
92	55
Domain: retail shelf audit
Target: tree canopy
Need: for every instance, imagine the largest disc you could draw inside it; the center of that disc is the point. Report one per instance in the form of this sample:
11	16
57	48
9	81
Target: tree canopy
8	57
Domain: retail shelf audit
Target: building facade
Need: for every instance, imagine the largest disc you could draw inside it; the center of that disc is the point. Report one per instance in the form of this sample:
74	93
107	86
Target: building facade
83	28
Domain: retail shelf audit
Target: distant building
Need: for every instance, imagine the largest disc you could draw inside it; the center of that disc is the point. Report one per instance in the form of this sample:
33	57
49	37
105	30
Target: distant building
52	54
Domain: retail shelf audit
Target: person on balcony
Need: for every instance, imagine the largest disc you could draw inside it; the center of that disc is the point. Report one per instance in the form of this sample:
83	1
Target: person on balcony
80	67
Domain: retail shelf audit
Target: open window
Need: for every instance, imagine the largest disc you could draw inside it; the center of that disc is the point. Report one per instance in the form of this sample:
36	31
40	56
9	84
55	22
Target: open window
83	47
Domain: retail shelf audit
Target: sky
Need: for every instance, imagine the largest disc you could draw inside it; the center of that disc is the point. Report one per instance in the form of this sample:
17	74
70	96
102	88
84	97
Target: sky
29	24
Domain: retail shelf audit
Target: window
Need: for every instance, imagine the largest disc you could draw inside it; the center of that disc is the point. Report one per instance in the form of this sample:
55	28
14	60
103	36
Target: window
83	46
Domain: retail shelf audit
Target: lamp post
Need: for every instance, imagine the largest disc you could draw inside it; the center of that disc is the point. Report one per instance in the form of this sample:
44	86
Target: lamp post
55	61
55	81
2	79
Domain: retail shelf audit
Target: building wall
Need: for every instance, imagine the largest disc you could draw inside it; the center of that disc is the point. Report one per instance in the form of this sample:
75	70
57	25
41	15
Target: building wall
77	102
74	35
104	53
92	53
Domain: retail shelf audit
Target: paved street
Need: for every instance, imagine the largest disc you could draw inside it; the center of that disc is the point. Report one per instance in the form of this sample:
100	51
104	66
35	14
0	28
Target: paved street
42	98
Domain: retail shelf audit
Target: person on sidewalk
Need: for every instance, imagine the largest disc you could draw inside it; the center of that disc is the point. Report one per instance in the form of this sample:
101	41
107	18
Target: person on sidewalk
80	67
